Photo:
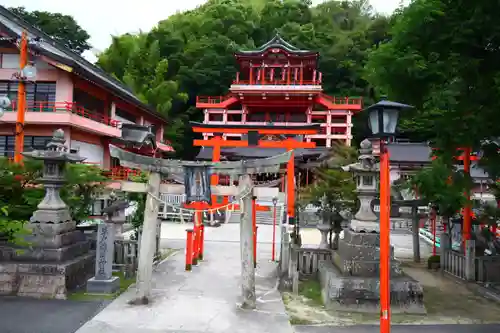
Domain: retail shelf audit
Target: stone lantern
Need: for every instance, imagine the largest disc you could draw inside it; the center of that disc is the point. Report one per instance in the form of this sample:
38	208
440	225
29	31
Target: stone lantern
365	172
52	209
352	278
58	257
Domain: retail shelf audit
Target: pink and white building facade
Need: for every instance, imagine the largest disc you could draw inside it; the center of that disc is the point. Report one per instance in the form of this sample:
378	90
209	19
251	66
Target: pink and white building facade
68	93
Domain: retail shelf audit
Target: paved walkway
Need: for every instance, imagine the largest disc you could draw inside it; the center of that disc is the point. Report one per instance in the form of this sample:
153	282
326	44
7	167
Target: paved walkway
204	300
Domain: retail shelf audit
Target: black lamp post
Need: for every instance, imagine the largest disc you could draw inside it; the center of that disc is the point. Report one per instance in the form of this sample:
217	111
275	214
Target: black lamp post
383	119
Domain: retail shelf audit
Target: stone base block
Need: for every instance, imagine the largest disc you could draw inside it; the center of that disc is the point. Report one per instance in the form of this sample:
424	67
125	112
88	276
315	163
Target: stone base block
103	286
362	294
358	254
35	253
45	279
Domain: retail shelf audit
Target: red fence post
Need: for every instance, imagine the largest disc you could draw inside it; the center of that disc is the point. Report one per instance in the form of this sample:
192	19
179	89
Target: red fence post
202	240
189	249
255	247
195	244
254	225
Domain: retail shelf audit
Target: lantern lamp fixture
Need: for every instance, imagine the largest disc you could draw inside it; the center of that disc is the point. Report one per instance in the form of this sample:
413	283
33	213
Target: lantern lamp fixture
383	117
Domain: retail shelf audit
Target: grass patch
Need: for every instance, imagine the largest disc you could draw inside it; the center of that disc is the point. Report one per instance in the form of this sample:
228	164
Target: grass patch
125	283
311	289
82	295
299	321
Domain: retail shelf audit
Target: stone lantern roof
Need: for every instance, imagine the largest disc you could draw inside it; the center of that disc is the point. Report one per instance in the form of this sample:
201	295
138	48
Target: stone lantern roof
56	151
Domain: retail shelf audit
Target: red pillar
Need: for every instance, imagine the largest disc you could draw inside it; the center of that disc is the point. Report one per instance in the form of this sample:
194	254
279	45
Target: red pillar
466	228
202	241
21	101
195	243
290	169
385	203
189	249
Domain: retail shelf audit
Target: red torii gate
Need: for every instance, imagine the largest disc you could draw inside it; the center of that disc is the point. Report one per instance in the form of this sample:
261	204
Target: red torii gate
257	138
467	158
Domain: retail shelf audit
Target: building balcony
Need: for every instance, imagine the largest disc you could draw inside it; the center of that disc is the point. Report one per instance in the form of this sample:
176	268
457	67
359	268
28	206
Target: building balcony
305	86
65	113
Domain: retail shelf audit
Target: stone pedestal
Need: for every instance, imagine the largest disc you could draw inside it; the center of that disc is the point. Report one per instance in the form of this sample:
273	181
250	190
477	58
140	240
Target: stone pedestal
351	281
58	257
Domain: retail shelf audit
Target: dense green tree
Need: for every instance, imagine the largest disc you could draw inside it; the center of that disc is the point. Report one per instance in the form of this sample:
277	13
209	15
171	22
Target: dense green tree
442	58
62	28
198	46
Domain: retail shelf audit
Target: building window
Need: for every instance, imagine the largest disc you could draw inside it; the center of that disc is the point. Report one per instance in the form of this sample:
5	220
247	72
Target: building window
277	117
256	117
88	101
215	117
234	117
40	94
7	144
10	60
297	118
125	115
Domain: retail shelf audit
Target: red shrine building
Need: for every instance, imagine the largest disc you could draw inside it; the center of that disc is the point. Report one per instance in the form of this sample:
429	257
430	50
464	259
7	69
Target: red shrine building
279	84
68	92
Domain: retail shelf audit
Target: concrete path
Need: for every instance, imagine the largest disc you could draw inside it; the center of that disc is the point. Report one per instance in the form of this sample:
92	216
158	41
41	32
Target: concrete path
204	300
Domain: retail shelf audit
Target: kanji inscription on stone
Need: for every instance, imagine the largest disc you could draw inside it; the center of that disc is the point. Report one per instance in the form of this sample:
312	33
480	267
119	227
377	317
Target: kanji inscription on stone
104	254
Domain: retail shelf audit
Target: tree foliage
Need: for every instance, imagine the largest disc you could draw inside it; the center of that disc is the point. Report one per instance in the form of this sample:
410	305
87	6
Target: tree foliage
62	28
21	192
194	51
442	58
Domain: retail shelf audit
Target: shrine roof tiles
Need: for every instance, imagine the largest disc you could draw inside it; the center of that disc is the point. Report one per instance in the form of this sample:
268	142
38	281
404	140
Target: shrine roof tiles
276	42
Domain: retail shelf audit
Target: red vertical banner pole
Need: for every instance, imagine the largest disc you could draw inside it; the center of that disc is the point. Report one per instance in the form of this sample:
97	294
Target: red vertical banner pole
189	249
21	101
254	225
273	257
199	245
202	241
195	239
385	313
467	209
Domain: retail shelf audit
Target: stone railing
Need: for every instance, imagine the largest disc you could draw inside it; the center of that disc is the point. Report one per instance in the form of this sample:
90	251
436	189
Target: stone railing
488	270
308	259
126	256
454	264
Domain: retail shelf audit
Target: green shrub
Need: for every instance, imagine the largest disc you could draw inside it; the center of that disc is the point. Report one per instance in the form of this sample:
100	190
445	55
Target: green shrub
433	260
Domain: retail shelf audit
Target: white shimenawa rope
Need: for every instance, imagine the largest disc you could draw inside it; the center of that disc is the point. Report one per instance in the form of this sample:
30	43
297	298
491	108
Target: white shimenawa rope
210	210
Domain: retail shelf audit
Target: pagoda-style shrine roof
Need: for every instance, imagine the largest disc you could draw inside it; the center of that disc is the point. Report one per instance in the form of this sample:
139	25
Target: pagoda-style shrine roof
277	42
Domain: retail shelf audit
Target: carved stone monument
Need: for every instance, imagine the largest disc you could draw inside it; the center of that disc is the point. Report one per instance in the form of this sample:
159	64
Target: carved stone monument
58	257
351	281
104	282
